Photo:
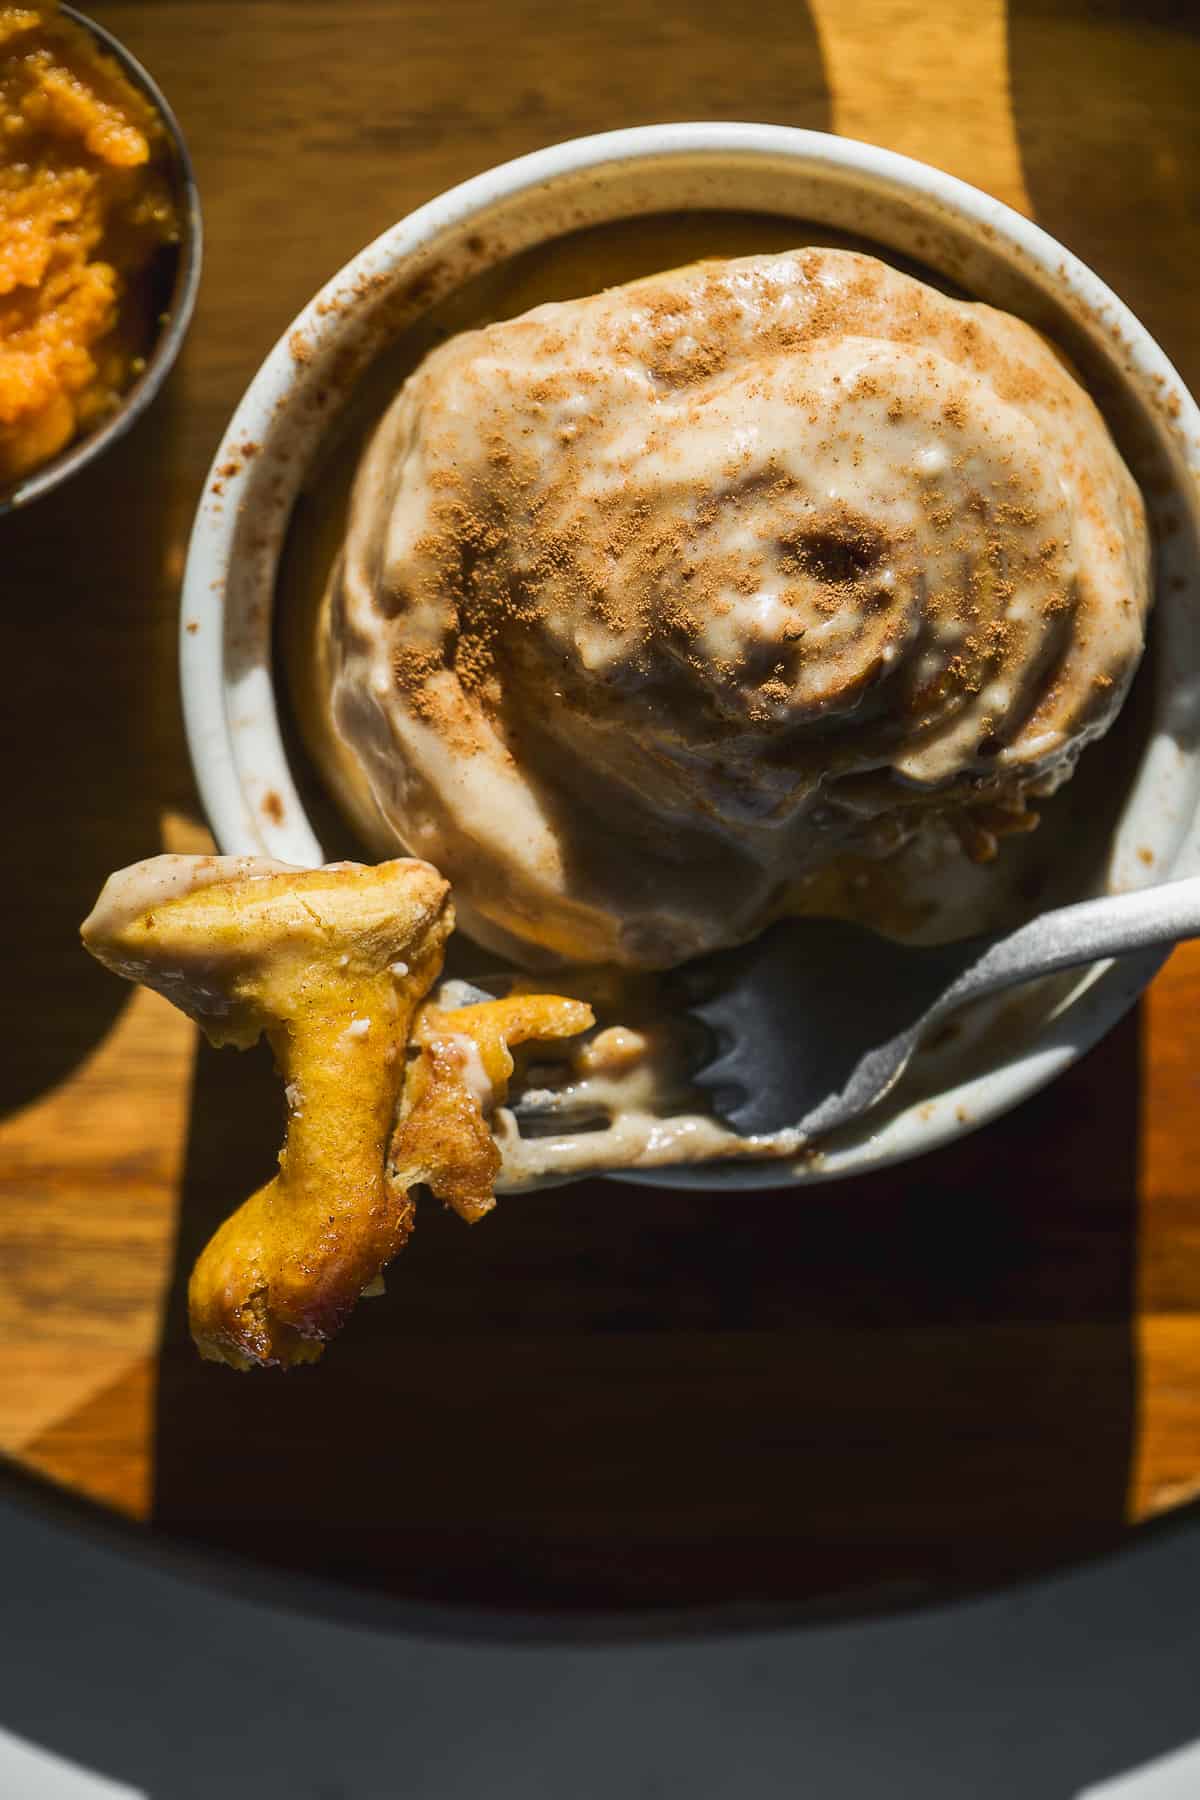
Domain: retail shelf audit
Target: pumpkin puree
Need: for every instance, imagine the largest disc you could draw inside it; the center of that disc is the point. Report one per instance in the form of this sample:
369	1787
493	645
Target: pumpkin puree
83	208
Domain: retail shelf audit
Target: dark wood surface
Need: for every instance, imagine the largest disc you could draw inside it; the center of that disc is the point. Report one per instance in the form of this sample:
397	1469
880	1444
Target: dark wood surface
605	1398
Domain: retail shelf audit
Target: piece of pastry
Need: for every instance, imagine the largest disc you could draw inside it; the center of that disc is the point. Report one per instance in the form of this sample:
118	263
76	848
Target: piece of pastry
331	965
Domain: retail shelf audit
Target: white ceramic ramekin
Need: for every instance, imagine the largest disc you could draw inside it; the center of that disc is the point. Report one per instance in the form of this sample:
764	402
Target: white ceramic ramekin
904	206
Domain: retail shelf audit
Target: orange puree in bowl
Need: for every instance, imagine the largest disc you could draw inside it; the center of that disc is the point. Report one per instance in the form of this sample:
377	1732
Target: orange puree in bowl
84	205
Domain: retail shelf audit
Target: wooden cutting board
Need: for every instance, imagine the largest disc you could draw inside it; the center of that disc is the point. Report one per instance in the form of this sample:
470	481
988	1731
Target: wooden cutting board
604	1398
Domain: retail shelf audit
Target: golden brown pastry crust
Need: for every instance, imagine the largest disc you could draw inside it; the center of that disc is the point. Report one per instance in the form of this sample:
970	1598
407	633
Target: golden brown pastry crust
442	1138
330	964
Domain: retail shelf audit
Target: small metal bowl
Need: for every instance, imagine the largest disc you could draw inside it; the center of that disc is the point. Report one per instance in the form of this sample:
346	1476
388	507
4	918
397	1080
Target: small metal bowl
179	276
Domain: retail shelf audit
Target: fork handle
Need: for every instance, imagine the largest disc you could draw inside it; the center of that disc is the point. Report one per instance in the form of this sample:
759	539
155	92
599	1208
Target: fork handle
1072	935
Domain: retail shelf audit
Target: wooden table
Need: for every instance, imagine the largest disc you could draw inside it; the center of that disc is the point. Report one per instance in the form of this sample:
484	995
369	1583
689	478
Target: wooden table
606	1398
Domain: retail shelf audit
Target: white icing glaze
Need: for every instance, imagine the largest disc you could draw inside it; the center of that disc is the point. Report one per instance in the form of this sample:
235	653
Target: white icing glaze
635	1082
778	547
130	893
635	1138
474	1074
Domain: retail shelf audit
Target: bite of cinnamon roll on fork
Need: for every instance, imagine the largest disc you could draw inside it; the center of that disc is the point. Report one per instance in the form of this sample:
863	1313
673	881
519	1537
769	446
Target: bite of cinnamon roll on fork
331	965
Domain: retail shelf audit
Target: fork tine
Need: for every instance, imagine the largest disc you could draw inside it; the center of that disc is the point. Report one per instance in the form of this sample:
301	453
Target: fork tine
727	1068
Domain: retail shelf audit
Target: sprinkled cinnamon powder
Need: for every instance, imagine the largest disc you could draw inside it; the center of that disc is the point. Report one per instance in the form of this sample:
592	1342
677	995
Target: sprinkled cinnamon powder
752	544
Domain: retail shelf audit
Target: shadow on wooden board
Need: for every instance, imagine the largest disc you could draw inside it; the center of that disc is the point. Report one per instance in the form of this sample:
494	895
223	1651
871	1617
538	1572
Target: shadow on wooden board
627	1401
90	734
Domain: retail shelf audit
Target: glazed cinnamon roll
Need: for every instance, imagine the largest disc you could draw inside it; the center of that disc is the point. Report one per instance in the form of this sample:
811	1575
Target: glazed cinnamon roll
654	602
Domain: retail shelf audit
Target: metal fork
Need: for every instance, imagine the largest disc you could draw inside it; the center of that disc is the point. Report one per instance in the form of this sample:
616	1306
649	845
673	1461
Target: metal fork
816	1020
